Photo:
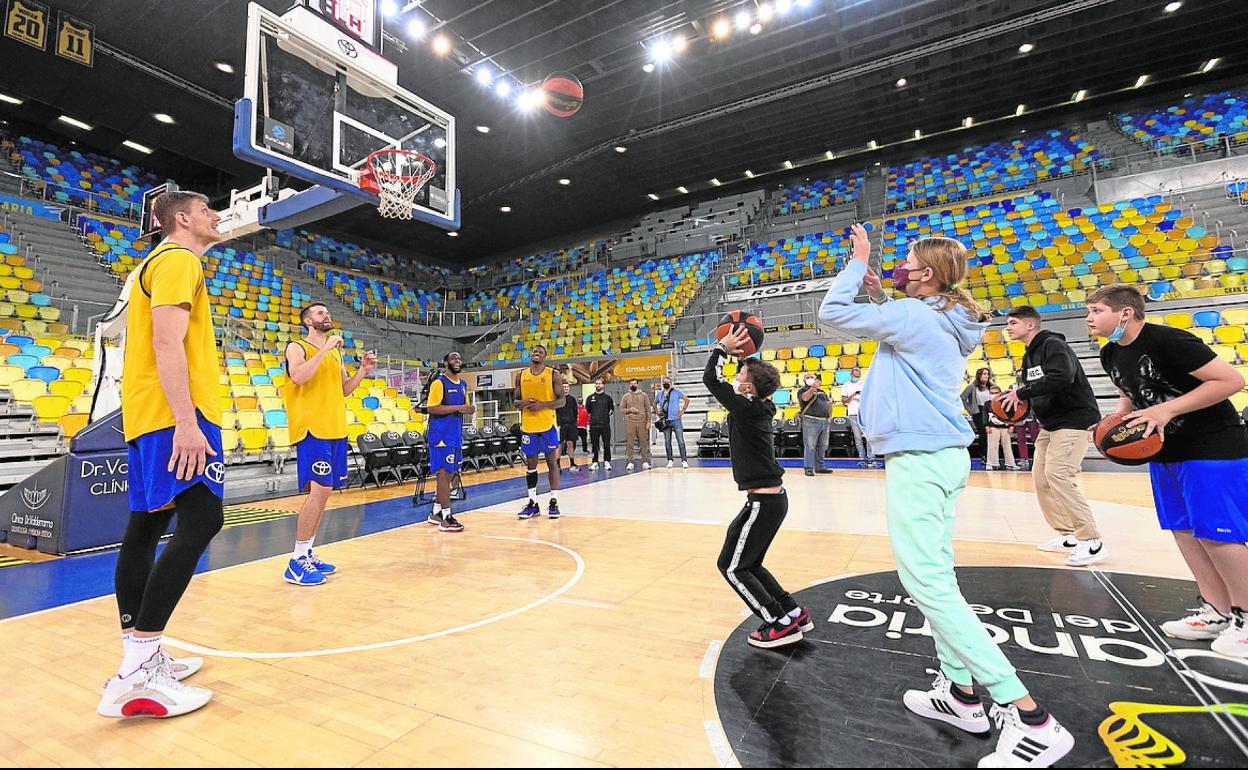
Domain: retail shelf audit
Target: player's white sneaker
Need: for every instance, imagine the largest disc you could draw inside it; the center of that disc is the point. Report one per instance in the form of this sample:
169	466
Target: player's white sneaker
1087	552
152	691
1059	544
1202	625
938	703
1233	642
606	466
671	463
593	467
684	463
629	467
645	466
1021	745
182	668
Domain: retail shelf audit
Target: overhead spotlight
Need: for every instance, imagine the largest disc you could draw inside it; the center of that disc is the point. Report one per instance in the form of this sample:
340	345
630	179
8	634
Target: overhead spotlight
968	122
505	209
565	181
484	76
679	43
660	51
1020	109
1140	81
721	28
784	6
74	123
803	3
440	143
749	173
742	20
1209	65
1187	96
754	30
871	145
652	196
416	28
765	11
389	7
902	82
503	88
530	98
225	67
441	45
621	148
788	164
648	67
138	147
715	181
918	134
682	190
1080	95
829	155
483	129
10	99
453	234
1026	48
1172	7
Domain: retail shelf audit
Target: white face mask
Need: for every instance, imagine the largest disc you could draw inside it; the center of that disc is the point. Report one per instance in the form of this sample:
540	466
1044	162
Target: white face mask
736	388
809	381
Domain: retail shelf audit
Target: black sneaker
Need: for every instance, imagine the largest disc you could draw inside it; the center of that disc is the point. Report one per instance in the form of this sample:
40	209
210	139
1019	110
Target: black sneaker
809	472
823	471
531	509
450	524
552	510
434	518
781	634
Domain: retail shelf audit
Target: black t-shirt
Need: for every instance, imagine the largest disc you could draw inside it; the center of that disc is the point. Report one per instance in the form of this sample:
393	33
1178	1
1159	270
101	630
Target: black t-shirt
1156	368
566	414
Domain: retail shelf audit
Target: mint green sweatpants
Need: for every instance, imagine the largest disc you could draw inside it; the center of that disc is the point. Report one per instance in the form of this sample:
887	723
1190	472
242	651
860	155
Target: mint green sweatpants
923	490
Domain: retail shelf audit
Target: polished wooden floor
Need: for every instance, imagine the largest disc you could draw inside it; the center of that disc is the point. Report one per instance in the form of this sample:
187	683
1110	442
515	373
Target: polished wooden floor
578	642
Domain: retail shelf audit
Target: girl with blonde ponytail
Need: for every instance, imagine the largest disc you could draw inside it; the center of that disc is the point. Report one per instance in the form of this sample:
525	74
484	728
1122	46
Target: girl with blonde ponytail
911	412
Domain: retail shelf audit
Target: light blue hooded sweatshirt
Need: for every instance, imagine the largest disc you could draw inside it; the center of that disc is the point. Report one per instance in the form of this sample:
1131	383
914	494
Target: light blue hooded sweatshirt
910	400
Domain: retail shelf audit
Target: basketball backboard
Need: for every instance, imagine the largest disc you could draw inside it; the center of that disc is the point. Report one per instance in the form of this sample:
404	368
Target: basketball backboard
318	100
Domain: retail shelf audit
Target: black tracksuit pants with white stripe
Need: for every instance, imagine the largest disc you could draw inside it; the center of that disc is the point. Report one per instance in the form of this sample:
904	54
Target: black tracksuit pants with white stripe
745	547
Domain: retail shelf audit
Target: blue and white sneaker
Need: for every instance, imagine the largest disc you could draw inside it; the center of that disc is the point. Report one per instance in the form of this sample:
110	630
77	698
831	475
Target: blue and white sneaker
325	568
302	572
553	510
531	510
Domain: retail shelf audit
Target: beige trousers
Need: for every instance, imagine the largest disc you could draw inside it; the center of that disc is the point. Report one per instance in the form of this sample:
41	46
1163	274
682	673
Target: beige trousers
1056	468
637	431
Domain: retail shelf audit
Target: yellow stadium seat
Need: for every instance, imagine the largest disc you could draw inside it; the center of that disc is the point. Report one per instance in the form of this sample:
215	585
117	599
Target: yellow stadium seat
249	419
73	422
10	373
355	431
377	428
50	408
1179	320
1229	335
74	374
25	391
229	441
82	404
67	388
1225	352
280	436
1001	367
254	440
1236	316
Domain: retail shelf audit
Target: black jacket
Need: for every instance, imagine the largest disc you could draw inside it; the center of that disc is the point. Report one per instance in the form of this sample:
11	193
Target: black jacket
600	407
1056	386
751	442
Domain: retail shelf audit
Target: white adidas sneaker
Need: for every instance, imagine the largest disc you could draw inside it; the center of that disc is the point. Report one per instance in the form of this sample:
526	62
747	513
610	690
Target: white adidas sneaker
1021	745
1087	552
938	703
152	691
1233	642
1202	625
1059	544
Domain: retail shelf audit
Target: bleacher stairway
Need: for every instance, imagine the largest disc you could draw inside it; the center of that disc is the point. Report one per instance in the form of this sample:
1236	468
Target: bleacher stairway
65	265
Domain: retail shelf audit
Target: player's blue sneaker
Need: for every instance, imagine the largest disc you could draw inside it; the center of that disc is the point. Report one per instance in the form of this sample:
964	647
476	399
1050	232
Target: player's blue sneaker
325	568
553	510
531	510
302	572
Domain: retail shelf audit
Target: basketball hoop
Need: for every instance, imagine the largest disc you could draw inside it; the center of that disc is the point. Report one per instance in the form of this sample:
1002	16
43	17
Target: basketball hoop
397	177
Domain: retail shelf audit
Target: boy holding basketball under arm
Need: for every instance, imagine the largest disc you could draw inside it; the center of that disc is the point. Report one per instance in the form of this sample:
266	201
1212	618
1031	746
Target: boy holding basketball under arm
752	449
1174	383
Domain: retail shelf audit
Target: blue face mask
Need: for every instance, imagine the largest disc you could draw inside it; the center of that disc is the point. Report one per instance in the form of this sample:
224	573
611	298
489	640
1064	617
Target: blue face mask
1118	331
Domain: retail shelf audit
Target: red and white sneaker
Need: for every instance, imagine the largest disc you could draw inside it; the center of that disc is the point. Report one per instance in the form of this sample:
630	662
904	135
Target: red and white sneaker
181	668
1021	745
804	621
1202	625
938	703
772	635
152	691
1233	642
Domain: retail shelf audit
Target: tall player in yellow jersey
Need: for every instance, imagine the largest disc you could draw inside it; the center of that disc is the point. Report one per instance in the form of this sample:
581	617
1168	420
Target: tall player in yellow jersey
316	407
539	391
172	419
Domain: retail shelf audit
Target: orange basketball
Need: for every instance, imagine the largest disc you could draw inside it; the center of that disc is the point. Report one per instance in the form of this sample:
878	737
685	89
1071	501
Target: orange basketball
1123	444
735	319
1018	414
563	94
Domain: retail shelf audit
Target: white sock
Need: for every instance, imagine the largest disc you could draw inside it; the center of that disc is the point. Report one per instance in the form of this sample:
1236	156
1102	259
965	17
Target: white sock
437	507
533	496
446	512
795	613
302	549
139	650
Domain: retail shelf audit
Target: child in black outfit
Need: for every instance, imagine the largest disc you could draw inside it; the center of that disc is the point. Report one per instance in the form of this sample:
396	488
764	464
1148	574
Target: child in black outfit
754	467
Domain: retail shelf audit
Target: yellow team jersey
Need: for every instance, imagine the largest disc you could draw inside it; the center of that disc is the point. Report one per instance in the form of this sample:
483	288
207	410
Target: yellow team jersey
542	387
317	406
170	275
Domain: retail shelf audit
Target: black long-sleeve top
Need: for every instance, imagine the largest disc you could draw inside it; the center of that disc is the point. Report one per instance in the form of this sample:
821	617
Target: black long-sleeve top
751	443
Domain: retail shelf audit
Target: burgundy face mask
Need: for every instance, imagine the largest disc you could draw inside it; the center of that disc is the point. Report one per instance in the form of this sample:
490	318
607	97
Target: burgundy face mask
901	277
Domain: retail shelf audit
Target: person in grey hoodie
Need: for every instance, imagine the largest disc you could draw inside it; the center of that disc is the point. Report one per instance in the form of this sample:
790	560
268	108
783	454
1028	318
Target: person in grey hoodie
912	414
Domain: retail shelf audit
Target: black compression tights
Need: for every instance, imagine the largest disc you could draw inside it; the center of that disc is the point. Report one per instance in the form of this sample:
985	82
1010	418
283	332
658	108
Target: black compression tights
148	589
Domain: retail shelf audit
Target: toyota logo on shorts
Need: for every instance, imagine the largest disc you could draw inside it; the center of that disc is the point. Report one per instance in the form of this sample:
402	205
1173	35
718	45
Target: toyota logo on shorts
450	459
348	48
215	472
525	440
321	468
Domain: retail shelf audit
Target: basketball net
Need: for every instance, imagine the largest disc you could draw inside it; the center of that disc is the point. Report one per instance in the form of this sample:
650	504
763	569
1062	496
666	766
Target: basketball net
397	177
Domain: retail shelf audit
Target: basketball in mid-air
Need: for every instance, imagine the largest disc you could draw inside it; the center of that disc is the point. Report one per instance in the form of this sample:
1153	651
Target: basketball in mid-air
735	319
1011	416
1125	444
562	94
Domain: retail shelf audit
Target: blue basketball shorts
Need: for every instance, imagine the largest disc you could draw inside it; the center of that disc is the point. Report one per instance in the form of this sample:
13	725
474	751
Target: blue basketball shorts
1207	497
323	460
536	444
445	458
152	486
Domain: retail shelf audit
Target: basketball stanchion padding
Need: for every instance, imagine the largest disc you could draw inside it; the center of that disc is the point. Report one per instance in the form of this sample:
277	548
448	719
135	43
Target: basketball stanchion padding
735	319
1125	444
1011	416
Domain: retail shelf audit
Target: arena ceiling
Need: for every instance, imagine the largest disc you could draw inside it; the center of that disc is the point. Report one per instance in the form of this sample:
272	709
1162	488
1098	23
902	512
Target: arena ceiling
821	76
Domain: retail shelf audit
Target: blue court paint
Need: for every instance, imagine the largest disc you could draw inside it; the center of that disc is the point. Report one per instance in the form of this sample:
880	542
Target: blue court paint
40	586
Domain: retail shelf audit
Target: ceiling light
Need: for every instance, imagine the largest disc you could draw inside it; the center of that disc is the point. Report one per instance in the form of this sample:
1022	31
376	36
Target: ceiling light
682	190
783	6
1140	81
441	45
902	82
749	173
829	155
1020	109
679	43
765	11
484	76
660	51
503	88
530	98
138	147
164	117
652	196
742	20
389	7
225	67
1172	7
483	129
1210	65
440	143
416	28
918	134
648	67
1080	95
721	29
1026	48
565	181
803	3
871	145
9	99
74	123
715	181
505	209
754	30
968	122
1187	96
621	148
788	164
453	234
